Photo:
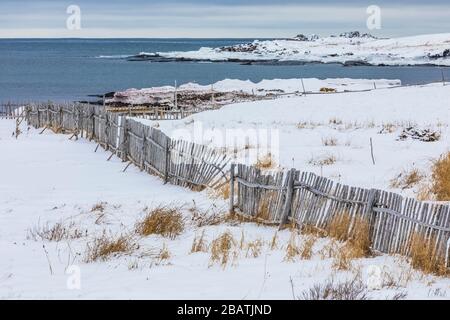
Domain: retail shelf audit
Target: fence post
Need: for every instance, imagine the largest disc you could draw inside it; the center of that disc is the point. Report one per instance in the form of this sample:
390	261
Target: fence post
166	167
232	177
288	201
369	212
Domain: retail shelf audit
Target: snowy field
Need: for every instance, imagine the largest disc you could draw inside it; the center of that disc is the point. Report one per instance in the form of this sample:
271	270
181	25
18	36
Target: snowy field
46	179
346	49
329	134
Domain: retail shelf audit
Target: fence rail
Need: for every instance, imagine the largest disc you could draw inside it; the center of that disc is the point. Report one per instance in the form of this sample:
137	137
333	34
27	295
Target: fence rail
176	161
311	200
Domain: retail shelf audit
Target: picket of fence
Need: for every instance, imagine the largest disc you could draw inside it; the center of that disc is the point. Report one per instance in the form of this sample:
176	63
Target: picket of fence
311	200
176	161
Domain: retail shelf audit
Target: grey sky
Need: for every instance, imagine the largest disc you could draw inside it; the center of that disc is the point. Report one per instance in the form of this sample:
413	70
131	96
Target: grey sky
218	18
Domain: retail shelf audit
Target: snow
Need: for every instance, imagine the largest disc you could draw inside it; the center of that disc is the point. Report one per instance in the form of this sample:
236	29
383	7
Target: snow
414	50
47	178
294	129
262	88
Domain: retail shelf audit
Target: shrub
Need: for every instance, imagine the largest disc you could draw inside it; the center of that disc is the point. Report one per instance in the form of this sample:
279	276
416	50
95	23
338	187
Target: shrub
58	232
441	178
104	247
167	222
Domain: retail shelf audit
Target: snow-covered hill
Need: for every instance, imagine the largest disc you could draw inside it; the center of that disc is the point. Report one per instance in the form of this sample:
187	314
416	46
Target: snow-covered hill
348	49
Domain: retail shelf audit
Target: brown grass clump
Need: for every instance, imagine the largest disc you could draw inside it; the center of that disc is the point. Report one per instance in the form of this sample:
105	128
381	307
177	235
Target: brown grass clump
274	242
407	179
167	222
223	249
326	160
329	142
58	232
199	244
423	256
99	207
104	247
265	162
254	248
339	226
163	254
293	249
441	178
327	90
356	235
306	251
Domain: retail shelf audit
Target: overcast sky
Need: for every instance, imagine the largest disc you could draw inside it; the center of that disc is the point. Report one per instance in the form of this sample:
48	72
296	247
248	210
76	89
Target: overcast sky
218	18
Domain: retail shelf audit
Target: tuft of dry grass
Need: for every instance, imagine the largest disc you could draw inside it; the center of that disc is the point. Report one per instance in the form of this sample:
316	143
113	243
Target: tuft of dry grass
306	249
339	226
356	235
205	218
105	247
199	244
274	242
293	249
329	142
163	255
407	179
99	207
335	121
353	289
441	178
57	232
265	162
326	160
424	257
254	248
223	249
165	221
327	90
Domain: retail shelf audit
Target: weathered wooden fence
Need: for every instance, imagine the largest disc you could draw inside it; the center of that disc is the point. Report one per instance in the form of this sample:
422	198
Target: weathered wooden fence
311	200
10	110
176	161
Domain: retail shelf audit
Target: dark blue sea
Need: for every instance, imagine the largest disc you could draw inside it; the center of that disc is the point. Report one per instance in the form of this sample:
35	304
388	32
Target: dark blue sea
71	69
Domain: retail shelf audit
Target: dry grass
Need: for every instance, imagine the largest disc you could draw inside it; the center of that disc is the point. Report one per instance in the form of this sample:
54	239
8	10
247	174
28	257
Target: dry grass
293	249
206	218
356	235
306	249
424	257
327	90
407	179
57	232
254	248
329	142
265	162
274	242
223	249
99	207
441	178
105	247
163	255
199	244
353	289
326	160
335	121
165	221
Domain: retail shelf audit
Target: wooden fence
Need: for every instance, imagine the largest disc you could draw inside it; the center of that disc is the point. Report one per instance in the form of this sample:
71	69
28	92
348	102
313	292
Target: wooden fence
311	200
176	161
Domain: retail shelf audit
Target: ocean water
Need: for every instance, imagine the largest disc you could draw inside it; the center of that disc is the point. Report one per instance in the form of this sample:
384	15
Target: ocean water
74	69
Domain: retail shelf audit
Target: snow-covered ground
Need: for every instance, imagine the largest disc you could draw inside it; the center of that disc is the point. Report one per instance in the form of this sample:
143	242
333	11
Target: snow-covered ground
262	88
416	50
45	179
304	132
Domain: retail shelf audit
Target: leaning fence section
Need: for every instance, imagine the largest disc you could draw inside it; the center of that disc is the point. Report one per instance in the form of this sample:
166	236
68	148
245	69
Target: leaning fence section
176	161
309	200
